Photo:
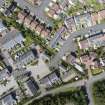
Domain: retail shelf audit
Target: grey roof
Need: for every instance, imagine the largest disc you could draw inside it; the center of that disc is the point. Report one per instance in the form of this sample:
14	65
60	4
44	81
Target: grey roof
10	36
24	57
32	85
11	39
2	27
1	3
3	74
8	100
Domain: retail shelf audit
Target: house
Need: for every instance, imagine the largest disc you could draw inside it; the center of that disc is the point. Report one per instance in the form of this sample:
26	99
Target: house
95	18
27	21
94	41
31	87
21	16
66	74
3	29
51	80
50	13
70	24
11	8
11	39
55	7
26	58
4	74
9	100
83	21
33	25
39	29
101	14
45	32
90	60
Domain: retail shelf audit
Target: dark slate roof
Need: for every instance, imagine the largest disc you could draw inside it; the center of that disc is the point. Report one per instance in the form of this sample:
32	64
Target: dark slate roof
32	85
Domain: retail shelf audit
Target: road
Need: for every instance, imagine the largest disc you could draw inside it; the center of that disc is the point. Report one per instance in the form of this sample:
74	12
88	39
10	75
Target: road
69	45
37	10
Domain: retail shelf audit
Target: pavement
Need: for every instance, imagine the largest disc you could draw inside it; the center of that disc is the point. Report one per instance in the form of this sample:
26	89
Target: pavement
37	10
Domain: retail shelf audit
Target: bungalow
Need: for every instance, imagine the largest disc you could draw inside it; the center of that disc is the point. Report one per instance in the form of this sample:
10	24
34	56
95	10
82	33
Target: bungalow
51	80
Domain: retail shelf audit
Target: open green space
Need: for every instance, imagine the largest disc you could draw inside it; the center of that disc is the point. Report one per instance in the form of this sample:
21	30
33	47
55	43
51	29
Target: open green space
99	92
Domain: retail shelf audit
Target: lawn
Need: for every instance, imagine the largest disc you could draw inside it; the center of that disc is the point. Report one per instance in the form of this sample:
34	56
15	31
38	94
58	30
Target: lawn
96	71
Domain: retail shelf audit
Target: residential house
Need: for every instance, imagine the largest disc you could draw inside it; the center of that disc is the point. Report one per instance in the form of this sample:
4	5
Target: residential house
26	58
45	32
51	80
94	41
11	39
101	14
83	21
9	100
95	18
33	25
3	29
31	87
89	60
4	74
11	8
28	20
70	24
21	16
39	29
